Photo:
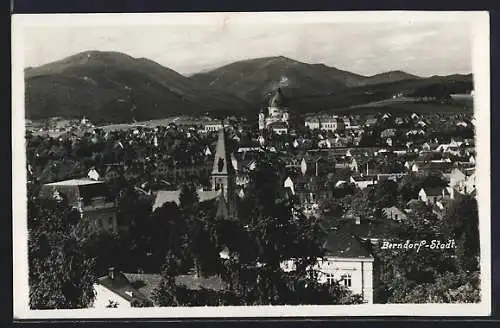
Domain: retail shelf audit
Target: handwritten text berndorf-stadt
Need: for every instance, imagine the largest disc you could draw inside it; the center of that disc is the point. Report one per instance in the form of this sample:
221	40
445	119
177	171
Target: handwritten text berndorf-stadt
433	244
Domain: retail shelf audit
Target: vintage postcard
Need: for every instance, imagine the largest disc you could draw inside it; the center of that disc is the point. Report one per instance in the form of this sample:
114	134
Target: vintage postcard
292	164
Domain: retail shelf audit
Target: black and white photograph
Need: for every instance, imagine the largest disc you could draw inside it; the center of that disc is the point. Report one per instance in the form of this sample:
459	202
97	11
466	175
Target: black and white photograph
266	164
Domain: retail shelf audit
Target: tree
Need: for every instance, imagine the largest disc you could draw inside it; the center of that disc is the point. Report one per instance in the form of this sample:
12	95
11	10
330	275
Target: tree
169	235
61	274
449	288
385	194
462	222
200	232
105	248
277	232
134	212
269	231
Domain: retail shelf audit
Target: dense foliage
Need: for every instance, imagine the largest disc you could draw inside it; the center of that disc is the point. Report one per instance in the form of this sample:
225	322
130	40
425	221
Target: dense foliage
269	232
61	273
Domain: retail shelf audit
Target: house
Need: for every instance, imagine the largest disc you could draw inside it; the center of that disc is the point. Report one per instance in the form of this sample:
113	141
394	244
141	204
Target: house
399	120
331	124
457	178
415	132
368	229
312	123
463	181
347	262
371	121
93	175
114	290
386	116
414	166
363	181
212	127
347	163
316	165
390	176
394	213
136	289
388	133
289	184
326	143
431	196
443	166
426	146
89	197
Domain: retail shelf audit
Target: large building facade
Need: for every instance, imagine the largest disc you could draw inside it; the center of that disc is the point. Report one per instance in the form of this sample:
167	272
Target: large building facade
276	113
91	198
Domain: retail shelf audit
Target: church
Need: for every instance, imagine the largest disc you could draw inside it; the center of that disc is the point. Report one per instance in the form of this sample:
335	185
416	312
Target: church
224	178
223	183
276	115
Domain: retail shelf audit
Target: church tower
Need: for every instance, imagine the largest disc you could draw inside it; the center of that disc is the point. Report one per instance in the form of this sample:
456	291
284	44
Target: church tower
223	177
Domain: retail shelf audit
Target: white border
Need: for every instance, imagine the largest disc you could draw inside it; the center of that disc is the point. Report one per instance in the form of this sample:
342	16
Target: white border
480	31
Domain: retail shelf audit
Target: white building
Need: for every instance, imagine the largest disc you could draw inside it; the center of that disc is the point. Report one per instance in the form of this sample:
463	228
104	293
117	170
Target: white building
213	127
91	198
275	112
327	123
289	184
93	175
347	262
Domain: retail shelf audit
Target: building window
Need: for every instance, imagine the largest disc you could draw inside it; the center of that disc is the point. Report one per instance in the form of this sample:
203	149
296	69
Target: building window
330	278
346	278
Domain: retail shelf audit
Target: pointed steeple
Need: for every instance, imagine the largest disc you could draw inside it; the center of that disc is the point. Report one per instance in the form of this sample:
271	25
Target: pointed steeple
222	160
223	178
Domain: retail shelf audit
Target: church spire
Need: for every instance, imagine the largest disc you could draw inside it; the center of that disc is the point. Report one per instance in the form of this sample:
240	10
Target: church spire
222	159
223	177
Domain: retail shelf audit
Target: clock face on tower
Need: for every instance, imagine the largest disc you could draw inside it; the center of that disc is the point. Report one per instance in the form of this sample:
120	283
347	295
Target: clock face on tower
220	164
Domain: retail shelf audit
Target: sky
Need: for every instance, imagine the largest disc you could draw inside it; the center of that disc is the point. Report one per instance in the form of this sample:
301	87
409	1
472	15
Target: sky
421	48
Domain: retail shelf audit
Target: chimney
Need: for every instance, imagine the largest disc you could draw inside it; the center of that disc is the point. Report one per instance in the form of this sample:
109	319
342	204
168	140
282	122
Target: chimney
111	273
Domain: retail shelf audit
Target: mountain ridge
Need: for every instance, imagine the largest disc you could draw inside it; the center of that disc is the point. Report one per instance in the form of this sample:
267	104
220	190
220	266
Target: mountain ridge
116	87
105	85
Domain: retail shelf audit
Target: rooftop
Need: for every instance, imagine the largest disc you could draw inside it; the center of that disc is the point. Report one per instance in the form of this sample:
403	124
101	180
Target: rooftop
165	196
373	229
345	245
75	182
121	286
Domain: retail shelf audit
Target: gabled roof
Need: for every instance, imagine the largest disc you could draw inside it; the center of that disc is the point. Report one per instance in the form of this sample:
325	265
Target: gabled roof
146	283
369	229
121	286
77	189
344	245
164	196
442	166
359	178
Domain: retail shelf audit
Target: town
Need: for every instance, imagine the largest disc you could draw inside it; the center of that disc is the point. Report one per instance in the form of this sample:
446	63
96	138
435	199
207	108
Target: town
272	208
